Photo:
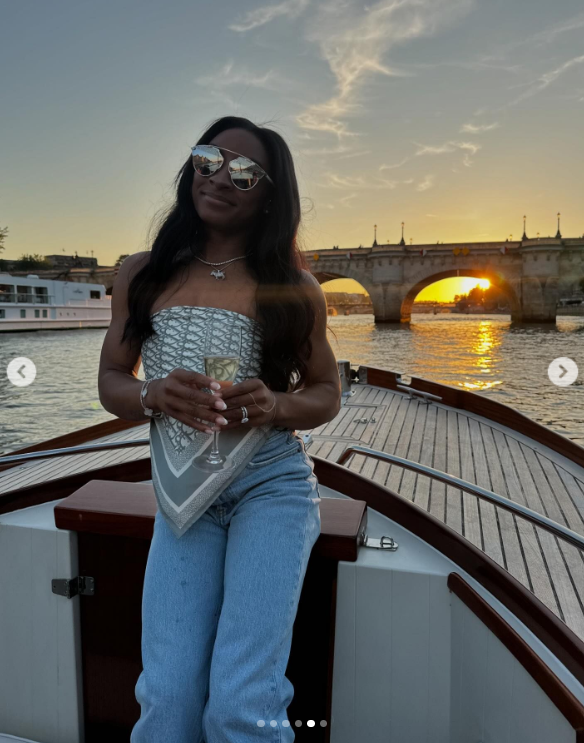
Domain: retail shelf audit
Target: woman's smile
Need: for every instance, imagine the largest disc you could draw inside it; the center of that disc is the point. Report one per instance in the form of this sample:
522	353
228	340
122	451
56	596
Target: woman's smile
216	200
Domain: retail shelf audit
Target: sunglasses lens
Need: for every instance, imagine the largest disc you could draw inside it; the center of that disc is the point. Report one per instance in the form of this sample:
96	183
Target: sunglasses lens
244	173
206	160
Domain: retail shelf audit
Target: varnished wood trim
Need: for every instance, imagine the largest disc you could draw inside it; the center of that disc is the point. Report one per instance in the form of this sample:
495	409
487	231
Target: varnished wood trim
544	677
555	635
81	436
484	406
127	509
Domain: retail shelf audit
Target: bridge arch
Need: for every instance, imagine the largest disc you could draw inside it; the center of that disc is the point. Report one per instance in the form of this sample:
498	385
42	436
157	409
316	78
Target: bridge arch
509	288
345	300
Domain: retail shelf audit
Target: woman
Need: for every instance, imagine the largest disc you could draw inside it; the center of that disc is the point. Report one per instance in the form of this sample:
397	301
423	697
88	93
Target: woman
221	590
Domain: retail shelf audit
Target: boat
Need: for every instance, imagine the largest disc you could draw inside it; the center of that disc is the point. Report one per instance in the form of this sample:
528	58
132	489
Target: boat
31	303
443	600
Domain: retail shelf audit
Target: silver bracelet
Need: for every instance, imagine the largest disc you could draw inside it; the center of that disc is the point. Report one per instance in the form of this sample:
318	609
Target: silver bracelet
148	411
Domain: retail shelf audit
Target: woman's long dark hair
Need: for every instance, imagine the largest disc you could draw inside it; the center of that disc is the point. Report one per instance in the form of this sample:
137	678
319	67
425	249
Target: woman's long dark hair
272	257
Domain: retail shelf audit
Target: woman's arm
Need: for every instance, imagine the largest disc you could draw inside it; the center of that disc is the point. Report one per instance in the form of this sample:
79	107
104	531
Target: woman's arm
118	383
316	403
319	401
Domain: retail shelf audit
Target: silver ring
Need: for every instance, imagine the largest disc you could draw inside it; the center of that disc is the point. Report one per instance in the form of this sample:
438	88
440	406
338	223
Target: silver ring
244	418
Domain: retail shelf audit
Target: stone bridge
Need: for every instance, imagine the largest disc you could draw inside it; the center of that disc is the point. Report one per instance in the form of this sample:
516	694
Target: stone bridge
533	274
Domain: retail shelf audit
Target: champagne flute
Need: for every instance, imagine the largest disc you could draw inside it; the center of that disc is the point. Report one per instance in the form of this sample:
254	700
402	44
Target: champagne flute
223	368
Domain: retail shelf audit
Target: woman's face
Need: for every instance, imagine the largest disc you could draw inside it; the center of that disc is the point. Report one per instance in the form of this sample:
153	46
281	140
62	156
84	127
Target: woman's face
241	208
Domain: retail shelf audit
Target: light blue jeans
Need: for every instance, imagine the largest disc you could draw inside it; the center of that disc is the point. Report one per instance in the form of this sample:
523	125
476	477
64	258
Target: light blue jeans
219	605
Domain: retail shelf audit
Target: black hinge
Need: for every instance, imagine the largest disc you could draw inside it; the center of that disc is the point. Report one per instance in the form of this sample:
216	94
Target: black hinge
69	587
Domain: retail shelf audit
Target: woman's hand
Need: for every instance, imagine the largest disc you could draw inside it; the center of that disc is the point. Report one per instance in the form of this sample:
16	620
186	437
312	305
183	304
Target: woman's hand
179	395
258	400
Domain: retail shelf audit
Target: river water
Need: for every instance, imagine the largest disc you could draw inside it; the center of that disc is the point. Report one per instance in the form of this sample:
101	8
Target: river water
486	354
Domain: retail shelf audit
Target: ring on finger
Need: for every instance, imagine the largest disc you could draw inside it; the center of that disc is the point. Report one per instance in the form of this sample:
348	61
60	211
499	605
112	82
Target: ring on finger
244	418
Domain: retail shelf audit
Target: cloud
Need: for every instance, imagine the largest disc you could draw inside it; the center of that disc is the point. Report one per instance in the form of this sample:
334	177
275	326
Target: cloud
397	165
349	152
548	78
231	75
345	200
354	42
427	183
478	128
450	146
267	13
368	182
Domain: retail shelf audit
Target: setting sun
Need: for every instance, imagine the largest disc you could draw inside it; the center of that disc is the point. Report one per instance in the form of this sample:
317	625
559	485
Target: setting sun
439	291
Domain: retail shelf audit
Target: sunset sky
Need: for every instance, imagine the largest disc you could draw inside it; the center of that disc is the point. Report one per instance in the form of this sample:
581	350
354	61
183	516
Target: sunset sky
455	116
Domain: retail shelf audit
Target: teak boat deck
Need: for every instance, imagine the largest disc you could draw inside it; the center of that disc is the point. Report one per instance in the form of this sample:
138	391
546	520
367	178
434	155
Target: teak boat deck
445	436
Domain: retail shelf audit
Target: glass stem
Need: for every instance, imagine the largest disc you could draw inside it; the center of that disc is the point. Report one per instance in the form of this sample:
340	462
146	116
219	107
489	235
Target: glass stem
215	447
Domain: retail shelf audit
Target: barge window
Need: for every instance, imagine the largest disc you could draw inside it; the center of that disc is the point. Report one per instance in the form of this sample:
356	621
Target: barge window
6	293
24	293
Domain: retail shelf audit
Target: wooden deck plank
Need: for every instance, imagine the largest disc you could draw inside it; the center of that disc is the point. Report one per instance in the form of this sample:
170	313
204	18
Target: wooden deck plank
391	441
514	560
454	512
368	466
422	489
408	482
438	489
488	512
471	514
395	473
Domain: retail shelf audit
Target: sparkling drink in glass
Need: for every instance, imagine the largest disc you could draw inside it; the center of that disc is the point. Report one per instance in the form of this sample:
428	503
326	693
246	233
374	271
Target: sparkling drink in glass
224	369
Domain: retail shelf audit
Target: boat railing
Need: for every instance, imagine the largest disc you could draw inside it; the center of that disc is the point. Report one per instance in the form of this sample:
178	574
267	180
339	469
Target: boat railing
498	500
25	298
422	469
66	451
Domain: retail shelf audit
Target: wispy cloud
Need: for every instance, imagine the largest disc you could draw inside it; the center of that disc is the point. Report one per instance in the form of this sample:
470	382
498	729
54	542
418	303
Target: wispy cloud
396	165
451	146
267	13
548	78
427	183
354	41
341	150
361	183
230	74
478	128
345	200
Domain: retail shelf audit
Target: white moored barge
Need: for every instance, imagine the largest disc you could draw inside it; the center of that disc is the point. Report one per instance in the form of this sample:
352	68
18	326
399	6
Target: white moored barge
31	303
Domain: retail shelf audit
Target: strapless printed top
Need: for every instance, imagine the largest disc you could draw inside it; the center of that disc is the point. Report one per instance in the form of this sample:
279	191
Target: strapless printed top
183	336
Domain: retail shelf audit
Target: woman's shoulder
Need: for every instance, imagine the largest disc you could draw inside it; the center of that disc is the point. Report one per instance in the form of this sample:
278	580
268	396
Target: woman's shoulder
137	260
307	278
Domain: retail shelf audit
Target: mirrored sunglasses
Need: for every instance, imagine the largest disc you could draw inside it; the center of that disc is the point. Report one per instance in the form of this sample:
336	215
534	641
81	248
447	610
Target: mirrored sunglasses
245	174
